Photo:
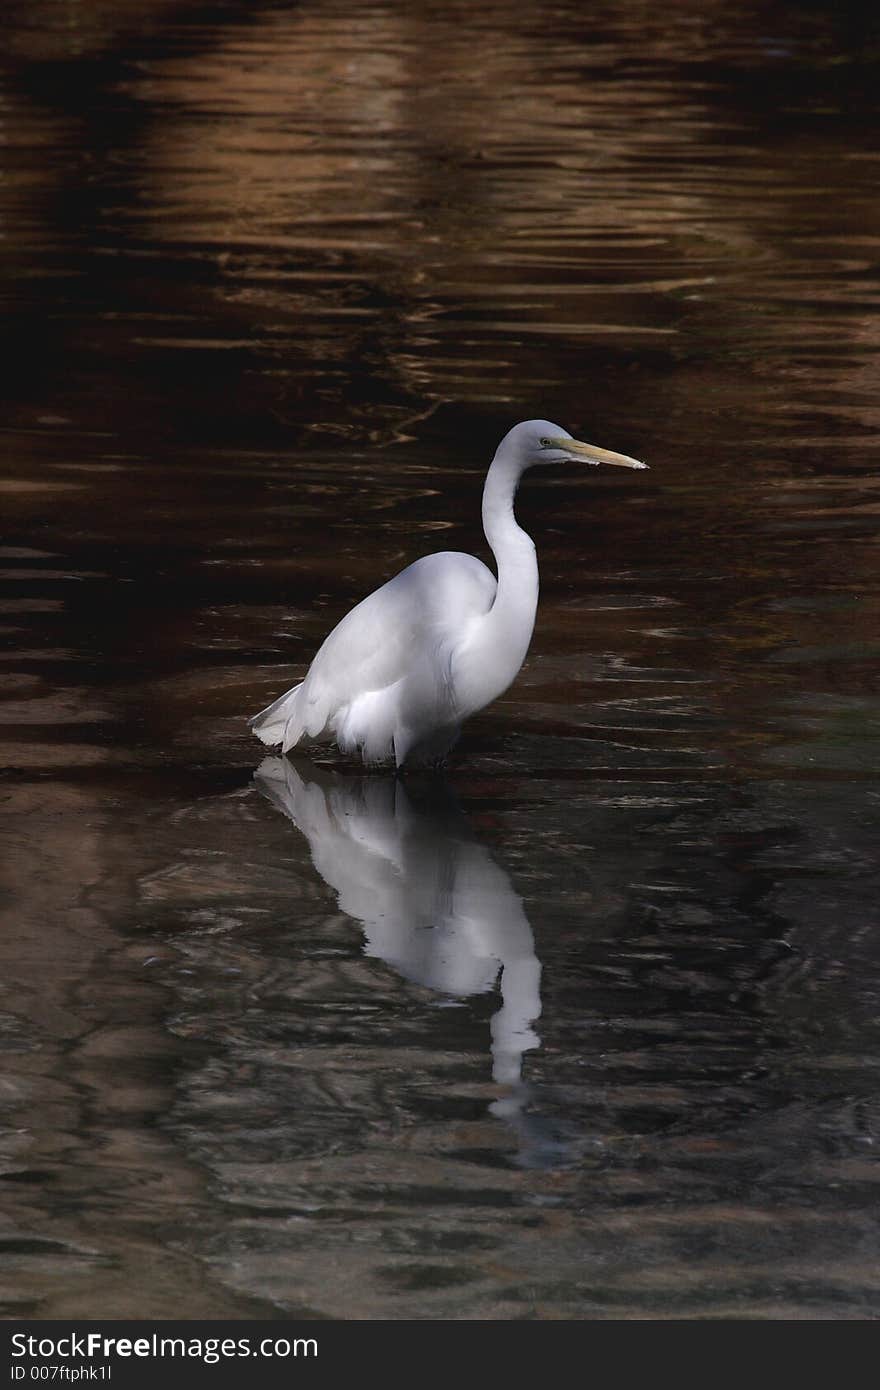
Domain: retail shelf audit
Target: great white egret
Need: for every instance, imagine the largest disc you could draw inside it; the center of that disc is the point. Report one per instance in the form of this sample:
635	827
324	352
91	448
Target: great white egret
399	675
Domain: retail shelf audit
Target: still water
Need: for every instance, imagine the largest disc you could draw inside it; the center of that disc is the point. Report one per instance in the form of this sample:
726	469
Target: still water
591	1030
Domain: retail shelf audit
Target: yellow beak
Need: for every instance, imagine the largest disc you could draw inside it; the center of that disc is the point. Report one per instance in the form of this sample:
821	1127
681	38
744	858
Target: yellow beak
593	454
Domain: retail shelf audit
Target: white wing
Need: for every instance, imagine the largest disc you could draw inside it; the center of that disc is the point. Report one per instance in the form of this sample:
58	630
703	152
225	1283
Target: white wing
353	688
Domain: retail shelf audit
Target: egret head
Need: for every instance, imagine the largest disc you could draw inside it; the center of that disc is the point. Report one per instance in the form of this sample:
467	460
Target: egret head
536	442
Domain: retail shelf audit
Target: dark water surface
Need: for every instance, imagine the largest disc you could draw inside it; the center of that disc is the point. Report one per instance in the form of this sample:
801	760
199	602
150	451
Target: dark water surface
593	1031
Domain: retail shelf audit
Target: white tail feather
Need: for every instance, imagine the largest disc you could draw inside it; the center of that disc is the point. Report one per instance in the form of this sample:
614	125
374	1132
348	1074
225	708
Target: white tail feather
271	723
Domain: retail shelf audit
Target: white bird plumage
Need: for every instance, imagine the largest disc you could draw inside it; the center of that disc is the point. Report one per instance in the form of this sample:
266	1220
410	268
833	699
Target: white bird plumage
399	675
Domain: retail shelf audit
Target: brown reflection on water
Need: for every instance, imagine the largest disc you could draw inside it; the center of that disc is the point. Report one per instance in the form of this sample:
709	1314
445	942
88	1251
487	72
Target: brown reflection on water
88	1066
278	280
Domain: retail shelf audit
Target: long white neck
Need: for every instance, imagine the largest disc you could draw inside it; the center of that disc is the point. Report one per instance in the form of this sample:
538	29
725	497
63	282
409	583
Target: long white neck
497	646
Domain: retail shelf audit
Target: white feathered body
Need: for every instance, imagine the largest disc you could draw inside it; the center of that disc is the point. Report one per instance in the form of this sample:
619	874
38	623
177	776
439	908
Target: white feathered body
398	675
404	669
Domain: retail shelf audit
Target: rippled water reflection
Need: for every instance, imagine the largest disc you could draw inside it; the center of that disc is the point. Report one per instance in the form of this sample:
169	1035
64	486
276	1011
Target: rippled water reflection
592	1032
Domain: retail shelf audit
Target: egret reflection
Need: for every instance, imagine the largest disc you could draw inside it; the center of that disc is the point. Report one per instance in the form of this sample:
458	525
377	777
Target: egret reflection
431	900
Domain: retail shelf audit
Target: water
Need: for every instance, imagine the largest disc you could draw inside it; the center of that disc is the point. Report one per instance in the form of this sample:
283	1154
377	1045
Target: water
592	1031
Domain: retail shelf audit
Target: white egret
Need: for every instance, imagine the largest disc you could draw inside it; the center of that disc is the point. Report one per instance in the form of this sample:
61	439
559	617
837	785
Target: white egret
399	675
